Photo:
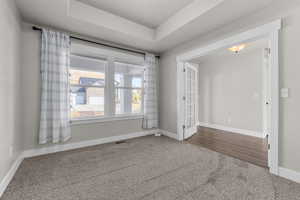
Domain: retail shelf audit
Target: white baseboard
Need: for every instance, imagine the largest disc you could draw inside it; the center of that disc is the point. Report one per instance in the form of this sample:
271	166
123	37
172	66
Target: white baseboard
169	134
70	146
230	129
289	174
10	174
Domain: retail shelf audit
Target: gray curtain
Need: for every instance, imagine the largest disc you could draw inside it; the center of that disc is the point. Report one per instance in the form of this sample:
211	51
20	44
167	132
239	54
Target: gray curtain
55	61
150	92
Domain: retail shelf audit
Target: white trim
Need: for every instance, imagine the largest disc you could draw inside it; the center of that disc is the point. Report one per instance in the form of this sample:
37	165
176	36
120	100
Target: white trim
105	119
231	129
10	174
180	102
271	31
245	36
266	80
273	139
289	174
184	16
77	145
169	134
89	14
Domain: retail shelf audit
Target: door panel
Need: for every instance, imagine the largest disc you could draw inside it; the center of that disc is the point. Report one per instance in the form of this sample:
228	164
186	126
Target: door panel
191	100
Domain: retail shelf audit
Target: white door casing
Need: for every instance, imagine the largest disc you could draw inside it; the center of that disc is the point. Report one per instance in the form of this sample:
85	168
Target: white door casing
266	71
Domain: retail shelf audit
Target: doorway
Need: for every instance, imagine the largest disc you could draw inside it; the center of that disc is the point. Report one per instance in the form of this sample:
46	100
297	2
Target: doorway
269	31
232	102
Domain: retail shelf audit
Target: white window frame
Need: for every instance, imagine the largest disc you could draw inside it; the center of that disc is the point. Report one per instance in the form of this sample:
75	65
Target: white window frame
87	85
132	88
109	95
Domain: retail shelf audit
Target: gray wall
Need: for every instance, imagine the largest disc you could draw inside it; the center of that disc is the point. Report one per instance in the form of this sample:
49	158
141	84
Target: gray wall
31	83
230	90
10	136
289	136
167	94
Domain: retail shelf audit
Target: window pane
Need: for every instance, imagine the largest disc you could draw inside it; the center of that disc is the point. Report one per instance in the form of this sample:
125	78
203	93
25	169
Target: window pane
128	101
87	102
87	71
88	64
127	75
137	82
83	77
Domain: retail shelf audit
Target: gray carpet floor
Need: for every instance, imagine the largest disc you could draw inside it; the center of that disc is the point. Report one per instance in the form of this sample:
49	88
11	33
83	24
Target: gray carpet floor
143	169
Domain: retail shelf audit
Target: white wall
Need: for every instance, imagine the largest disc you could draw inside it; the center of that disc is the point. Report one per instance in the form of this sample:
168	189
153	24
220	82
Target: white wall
289	137
10	135
230	90
31	84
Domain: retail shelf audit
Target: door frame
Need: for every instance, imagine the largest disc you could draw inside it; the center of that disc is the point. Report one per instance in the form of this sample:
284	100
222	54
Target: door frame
269	31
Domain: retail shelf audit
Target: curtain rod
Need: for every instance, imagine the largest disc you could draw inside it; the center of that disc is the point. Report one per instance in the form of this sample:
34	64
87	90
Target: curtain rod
102	44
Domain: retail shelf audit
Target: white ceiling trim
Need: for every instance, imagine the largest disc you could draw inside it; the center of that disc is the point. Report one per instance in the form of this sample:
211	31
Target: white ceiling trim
83	12
246	36
87	13
184	16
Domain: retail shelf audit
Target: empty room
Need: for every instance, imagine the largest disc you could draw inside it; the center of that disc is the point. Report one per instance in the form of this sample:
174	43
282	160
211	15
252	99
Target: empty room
232	114
149	99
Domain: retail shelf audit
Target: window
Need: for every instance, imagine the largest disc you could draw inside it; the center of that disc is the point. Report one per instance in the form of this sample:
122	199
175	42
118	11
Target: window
104	88
87	83
128	88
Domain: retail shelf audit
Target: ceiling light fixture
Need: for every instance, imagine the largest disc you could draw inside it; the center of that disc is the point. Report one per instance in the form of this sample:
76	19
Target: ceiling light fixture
237	48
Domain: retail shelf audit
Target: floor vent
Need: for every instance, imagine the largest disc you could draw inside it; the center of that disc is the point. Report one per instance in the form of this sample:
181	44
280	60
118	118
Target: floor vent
121	142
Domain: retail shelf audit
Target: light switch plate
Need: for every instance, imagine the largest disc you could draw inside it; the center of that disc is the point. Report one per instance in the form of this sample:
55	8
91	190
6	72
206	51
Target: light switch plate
284	92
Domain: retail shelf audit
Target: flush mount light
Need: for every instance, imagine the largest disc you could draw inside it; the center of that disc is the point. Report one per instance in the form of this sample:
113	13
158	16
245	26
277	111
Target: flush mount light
237	48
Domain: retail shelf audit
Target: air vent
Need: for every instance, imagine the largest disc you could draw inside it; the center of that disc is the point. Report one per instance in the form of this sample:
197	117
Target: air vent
121	142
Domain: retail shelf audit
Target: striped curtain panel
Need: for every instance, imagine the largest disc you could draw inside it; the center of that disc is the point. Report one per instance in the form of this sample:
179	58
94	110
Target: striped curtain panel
55	61
150	93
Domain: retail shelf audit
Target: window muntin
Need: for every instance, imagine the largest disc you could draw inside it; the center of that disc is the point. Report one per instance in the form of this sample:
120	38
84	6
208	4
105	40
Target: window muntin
87	84
128	80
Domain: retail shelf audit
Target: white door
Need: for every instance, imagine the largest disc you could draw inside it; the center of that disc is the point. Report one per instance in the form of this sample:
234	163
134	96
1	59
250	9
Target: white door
190	100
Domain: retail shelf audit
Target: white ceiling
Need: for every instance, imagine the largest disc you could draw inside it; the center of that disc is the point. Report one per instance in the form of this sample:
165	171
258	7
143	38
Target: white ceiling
150	13
131	22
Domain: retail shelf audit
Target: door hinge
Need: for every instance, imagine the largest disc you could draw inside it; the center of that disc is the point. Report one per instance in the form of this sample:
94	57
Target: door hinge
268	51
183	69
267	140
183	98
183	126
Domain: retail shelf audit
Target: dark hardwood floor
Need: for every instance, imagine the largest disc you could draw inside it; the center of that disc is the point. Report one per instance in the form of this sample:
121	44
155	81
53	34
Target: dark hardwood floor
243	147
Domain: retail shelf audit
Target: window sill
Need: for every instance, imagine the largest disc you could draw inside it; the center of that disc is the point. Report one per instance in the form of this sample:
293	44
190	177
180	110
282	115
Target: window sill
105	119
